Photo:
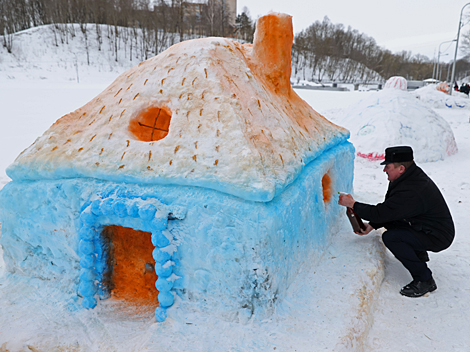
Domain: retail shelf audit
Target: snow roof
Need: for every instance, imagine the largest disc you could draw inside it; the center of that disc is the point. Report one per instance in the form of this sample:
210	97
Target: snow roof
208	112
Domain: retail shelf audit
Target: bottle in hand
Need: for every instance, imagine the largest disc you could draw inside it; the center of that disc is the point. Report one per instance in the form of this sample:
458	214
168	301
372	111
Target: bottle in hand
355	220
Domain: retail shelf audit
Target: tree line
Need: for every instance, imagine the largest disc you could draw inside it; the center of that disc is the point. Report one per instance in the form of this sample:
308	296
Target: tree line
322	52
160	22
325	45
209	18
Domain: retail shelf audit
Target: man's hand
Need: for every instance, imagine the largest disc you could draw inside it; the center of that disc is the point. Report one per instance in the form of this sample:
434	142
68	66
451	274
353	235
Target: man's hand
366	231
346	200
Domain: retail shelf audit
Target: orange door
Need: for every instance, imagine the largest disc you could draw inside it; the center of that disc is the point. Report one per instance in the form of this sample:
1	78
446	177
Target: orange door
133	269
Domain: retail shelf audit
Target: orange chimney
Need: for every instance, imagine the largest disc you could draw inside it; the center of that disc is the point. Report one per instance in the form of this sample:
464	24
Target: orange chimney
272	49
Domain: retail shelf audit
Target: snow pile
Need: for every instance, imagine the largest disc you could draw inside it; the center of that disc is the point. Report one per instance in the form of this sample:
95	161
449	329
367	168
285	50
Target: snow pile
440	100
394	117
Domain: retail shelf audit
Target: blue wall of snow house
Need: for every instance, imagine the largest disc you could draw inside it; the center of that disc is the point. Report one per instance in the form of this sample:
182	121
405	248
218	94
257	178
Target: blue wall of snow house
234	257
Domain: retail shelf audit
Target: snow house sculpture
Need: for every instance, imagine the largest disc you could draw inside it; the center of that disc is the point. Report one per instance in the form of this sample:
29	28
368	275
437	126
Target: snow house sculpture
198	174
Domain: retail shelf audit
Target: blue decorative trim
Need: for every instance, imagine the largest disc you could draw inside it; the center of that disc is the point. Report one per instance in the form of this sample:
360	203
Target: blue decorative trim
142	215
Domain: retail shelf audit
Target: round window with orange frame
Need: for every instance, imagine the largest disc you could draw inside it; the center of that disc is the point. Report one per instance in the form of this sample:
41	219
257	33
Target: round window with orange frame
152	124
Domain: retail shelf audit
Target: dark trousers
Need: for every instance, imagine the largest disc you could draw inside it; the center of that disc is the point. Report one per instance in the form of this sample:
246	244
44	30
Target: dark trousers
404	245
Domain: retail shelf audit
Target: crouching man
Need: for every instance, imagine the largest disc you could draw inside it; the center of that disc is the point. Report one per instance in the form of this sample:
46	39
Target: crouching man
414	214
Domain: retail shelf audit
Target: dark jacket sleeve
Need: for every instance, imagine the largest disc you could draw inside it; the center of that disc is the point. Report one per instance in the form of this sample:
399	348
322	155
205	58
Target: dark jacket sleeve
398	207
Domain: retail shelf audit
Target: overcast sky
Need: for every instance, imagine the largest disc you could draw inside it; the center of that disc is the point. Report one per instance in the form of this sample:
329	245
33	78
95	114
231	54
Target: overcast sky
413	25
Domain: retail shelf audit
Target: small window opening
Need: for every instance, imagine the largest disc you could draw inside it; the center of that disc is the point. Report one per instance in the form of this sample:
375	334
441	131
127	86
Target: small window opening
151	125
327	188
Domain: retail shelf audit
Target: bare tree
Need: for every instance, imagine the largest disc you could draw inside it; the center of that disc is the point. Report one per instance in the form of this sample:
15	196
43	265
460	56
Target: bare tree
6	28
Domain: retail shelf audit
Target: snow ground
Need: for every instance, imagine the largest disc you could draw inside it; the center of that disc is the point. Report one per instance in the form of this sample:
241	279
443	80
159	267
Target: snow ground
326	309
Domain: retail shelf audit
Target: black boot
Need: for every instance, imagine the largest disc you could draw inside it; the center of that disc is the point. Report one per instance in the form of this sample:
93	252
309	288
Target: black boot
418	288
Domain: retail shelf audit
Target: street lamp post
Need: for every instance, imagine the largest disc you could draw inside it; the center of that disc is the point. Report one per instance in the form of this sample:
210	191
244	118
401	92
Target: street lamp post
456	48
438	58
448	74
438	72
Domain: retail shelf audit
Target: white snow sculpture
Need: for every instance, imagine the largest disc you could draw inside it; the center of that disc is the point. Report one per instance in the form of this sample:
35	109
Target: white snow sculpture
396	82
395	117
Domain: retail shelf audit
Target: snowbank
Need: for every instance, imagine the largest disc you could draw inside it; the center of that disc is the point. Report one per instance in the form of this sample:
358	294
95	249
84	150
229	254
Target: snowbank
440	100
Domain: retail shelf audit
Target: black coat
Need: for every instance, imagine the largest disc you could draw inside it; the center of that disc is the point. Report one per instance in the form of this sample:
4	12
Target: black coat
414	201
